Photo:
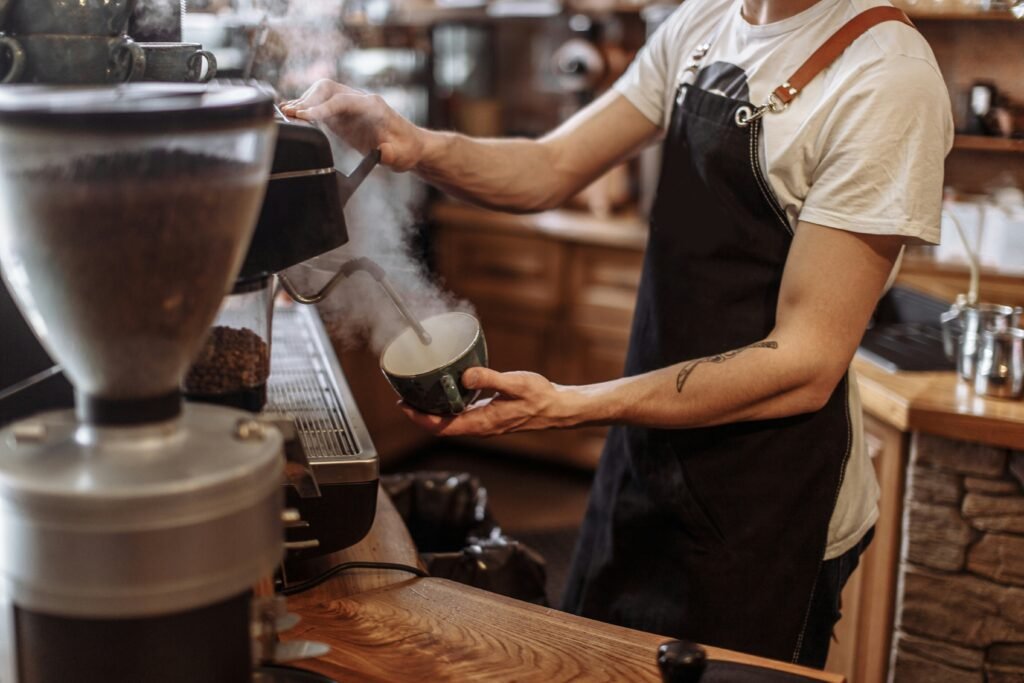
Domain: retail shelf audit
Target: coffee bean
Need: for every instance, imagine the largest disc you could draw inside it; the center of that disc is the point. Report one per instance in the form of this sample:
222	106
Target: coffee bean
231	360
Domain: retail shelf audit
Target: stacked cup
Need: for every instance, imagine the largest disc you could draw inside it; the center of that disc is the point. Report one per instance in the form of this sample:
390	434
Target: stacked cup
69	41
85	42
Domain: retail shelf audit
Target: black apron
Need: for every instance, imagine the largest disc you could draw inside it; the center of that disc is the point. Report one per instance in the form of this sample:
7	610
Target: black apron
712	534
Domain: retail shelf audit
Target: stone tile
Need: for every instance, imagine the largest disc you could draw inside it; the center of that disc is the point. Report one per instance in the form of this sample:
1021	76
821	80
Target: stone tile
937	536
995	513
1017	466
992	487
997	674
1007	655
960	608
999	557
913	669
930	485
946	653
958	456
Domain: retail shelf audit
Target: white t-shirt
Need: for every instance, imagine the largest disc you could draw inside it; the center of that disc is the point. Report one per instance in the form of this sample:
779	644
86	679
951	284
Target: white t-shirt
861	148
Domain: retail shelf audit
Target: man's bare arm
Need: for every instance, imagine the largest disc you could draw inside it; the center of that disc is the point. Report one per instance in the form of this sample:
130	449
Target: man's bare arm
832	281
511	174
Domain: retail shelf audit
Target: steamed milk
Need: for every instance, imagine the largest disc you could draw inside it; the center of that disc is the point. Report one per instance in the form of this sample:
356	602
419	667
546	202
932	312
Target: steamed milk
453	334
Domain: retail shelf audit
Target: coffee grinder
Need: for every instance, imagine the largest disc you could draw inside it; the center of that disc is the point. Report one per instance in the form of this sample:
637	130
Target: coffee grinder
133	527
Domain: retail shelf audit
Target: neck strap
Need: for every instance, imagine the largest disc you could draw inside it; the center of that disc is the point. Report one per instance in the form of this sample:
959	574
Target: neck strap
826	53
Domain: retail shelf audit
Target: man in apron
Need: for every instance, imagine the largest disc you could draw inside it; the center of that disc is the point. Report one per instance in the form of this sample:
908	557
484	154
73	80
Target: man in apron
803	145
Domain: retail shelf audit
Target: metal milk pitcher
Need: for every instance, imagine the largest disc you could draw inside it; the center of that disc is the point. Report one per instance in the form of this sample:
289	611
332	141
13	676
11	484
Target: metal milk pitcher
1000	364
962	326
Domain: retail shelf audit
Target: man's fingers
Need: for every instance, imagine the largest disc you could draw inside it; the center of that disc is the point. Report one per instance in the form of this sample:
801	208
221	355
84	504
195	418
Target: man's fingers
508	383
319	92
478	420
431	423
338	105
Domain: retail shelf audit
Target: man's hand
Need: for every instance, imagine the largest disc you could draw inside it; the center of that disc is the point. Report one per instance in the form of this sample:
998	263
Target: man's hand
362	120
525	401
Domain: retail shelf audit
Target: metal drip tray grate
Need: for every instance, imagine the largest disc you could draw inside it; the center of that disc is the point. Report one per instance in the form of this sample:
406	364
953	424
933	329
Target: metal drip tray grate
306	384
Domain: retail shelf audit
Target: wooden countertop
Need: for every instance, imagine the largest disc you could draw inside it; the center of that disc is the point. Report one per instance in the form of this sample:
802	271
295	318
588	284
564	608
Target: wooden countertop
384	627
939	403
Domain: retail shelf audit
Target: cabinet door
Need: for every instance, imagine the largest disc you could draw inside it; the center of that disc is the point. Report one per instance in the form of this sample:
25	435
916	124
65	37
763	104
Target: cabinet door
494	270
523	342
864	634
603	283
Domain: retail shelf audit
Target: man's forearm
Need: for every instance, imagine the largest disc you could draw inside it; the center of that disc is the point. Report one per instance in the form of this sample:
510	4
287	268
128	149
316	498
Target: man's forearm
509	174
533	175
768	379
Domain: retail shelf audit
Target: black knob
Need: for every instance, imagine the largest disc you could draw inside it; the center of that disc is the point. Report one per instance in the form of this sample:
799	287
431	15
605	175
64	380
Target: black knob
681	661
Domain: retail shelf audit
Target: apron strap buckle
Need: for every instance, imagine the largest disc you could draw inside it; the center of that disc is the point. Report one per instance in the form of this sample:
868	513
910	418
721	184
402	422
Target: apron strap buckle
746	115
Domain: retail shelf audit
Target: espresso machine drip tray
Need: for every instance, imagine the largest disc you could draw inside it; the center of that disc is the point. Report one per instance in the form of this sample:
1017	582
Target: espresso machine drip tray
306	384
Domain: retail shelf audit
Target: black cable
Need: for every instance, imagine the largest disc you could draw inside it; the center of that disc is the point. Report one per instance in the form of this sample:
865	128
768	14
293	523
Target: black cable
345	566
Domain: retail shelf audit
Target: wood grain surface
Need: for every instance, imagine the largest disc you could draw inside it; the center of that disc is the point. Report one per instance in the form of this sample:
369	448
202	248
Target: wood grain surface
939	403
384	627
435	630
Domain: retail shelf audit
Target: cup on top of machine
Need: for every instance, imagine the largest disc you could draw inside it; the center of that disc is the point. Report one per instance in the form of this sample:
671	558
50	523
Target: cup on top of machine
81	17
428	377
178	62
80	59
12	58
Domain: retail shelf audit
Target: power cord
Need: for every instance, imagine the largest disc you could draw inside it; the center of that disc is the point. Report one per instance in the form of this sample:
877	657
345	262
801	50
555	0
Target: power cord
344	567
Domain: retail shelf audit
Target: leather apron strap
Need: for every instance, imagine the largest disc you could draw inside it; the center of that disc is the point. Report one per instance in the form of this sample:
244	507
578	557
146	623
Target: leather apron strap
826	53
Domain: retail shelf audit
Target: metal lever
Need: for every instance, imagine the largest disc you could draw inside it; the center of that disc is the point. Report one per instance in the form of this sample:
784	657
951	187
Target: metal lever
270	617
302	545
297	470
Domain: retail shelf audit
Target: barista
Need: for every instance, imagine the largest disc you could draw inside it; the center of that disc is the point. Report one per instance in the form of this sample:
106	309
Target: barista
734	496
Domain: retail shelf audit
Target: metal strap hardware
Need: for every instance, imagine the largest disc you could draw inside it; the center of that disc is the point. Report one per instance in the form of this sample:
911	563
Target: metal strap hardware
746	115
701	51
826	53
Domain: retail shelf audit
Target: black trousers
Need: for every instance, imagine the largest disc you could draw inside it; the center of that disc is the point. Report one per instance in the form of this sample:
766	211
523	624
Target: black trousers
826	603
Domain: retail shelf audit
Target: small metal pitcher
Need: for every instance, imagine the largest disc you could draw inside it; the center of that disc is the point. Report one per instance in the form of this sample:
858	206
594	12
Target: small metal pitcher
1000	366
962	326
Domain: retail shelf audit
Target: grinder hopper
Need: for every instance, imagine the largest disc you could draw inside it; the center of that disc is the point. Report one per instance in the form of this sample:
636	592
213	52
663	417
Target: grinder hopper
126	213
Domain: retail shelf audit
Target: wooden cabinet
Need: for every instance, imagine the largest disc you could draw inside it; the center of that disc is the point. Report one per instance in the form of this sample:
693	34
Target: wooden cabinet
863	636
493	269
559	307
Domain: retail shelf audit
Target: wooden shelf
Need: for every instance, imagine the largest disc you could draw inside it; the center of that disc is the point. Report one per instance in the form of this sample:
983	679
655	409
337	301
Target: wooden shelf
920	264
983	143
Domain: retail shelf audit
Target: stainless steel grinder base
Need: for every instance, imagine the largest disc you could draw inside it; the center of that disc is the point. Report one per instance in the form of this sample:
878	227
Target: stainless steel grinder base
135	532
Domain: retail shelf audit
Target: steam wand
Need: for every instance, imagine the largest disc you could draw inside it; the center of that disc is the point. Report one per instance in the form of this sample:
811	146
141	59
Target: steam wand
347	269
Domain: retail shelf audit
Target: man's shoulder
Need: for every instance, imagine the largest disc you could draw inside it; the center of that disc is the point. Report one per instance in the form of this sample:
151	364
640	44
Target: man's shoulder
891	44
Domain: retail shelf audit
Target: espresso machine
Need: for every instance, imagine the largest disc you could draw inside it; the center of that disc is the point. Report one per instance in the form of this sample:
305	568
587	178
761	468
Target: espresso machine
134	526
306	397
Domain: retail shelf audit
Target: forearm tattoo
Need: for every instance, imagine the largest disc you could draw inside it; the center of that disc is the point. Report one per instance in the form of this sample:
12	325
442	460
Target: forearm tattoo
690	366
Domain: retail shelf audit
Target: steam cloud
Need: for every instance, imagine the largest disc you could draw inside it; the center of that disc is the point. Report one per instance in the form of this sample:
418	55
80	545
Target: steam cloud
157	15
381	218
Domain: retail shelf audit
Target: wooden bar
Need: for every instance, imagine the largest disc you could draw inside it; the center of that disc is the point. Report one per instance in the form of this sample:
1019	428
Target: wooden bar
384	627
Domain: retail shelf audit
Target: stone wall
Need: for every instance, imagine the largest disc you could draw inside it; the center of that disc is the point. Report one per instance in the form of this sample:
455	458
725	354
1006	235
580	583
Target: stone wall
960	609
